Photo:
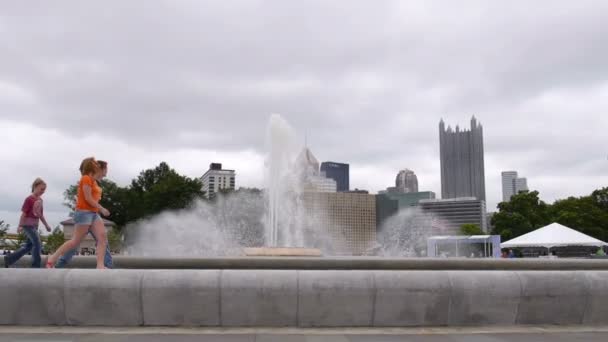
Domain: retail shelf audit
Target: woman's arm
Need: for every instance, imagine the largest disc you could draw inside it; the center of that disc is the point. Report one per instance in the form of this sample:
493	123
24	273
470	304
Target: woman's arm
48	228
39	213
21	221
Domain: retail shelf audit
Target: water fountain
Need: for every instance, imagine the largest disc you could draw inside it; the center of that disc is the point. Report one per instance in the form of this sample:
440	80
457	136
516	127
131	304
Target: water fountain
270	223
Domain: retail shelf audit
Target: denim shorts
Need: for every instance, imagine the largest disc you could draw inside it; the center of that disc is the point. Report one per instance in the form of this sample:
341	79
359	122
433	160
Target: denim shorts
85	218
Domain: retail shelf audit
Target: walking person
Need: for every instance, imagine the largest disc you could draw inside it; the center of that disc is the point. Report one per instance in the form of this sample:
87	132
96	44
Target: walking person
86	215
32	213
107	261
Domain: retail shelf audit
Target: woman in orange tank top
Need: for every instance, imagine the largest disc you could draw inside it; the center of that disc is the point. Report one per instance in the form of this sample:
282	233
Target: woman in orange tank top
86	215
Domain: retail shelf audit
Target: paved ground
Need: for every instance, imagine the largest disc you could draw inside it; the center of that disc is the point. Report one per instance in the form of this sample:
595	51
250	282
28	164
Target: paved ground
519	334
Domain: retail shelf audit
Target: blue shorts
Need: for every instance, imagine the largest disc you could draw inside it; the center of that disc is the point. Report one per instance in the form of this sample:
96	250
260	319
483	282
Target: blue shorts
85	218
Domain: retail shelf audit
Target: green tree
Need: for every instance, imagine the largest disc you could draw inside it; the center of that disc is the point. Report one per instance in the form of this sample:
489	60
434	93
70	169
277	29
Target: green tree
585	214
159	189
115	199
522	214
54	240
525	212
471	229
505	235
69	197
600	197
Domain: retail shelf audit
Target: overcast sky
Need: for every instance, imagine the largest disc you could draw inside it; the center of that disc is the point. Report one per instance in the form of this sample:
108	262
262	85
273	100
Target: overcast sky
194	82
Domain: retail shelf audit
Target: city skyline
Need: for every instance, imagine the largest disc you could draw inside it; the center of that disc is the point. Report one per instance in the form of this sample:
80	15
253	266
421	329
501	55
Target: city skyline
88	82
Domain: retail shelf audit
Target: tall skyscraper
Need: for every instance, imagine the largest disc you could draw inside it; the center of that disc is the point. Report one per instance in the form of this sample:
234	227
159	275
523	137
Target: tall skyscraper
462	165
406	181
512	185
310	176
216	179
338	172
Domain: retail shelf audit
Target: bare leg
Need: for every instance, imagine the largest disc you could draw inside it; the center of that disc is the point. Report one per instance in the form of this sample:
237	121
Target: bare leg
99	231
79	233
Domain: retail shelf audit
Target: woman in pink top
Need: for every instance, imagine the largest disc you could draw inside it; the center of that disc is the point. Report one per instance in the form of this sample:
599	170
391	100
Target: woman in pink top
31	214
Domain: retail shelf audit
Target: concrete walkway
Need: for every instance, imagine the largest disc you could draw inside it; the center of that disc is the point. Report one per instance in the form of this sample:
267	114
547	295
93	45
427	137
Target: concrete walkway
519	334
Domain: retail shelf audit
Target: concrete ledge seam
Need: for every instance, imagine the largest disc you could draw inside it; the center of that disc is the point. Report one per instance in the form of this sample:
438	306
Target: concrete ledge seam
297	298
65	310
449	320
141	300
219	294
64	300
587	287
521	296
374	297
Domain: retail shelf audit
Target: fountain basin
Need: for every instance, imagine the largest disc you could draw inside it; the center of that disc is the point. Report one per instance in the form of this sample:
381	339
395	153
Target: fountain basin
302	298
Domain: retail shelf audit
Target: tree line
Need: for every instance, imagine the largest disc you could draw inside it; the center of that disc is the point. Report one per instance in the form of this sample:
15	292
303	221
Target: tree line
526	212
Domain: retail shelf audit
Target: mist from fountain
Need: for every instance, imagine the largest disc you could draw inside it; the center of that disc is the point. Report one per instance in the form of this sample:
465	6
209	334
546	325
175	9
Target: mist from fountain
405	233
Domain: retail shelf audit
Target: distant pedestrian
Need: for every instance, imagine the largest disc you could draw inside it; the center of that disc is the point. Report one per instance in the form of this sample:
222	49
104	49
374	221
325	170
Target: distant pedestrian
32	213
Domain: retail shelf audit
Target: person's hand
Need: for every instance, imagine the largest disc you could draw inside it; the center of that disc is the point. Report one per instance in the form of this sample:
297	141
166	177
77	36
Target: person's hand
48	228
19	229
105	212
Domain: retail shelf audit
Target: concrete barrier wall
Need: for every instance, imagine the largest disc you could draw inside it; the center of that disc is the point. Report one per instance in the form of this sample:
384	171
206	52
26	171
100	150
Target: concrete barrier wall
301	298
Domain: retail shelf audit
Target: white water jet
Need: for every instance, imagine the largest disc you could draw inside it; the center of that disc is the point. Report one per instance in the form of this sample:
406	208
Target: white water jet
281	184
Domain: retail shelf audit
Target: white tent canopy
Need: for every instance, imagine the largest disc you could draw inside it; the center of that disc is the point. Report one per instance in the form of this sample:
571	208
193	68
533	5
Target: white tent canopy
553	235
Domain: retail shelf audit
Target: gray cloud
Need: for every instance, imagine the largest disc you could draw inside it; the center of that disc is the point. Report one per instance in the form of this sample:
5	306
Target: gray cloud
366	81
